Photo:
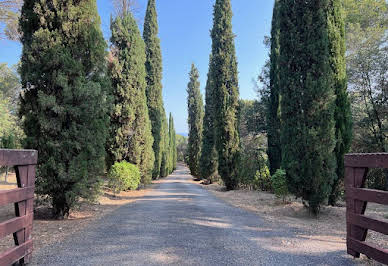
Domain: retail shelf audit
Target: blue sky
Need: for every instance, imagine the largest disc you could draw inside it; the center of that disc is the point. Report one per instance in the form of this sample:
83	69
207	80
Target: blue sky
184	31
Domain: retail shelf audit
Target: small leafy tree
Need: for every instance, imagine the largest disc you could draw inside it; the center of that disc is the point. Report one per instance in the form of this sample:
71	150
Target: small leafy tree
279	184
123	176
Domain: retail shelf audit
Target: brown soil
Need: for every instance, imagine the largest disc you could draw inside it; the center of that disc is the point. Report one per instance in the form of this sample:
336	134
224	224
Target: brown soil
47	231
328	231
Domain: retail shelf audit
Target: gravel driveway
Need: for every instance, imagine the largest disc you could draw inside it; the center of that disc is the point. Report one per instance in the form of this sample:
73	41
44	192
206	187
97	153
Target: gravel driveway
180	223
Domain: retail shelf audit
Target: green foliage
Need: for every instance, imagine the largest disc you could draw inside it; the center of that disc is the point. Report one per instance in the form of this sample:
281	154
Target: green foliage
123	176
10	85
65	103
307	100
130	138
279	184
254	172
342	113
172	144
224	83
9	18
165	145
195	121
208	162
367	64
181	146
273	114
153	66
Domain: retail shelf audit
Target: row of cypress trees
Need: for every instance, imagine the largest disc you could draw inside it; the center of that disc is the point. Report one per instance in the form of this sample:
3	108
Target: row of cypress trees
214	143
309	117
79	109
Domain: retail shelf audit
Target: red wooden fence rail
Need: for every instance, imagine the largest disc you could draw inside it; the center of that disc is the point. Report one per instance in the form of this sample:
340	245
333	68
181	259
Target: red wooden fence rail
24	162
357	197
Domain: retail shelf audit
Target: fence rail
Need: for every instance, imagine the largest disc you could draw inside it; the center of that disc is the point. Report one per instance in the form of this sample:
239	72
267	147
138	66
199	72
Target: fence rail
20	226
357	197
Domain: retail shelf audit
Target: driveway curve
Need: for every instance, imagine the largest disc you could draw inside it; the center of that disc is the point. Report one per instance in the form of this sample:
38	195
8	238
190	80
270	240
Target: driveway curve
180	223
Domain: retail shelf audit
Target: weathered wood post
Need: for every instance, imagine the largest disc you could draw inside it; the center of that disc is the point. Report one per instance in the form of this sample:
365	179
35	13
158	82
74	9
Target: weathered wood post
24	162
357	197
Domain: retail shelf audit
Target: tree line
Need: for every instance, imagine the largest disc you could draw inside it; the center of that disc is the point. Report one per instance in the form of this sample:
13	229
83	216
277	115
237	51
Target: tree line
86	108
302	125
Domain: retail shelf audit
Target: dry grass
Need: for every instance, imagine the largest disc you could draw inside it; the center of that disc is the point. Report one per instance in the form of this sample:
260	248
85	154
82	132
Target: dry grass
326	232
47	231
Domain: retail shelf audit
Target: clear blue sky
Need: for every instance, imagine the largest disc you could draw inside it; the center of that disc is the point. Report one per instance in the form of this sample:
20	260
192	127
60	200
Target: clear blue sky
184	30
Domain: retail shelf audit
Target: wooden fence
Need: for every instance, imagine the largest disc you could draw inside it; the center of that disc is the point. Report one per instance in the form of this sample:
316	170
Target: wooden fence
20	226
357	197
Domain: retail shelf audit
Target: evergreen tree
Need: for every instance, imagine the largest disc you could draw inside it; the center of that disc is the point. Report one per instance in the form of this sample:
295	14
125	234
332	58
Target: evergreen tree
154	82
195	121
172	145
226	94
64	104
131	137
208	162
273	114
165	147
307	105
342	113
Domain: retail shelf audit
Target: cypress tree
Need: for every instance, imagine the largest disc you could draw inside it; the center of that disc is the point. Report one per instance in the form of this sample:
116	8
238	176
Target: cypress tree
172	144
154	82
307	105
175	151
208	162
131	137
273	115
65	101
226	94
165	147
195	121
342	113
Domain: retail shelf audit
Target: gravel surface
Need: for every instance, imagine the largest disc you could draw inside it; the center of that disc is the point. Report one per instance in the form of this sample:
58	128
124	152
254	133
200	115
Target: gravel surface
180	223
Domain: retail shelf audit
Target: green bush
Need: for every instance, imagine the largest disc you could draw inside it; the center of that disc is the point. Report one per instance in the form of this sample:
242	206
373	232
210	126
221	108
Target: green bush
263	179
279	184
123	176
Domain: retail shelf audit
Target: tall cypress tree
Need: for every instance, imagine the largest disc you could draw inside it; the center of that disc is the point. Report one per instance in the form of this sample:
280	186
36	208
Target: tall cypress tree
226	93
172	144
273	114
175	151
64	105
131	137
165	146
342	114
195	121
154	82
208	162
307	105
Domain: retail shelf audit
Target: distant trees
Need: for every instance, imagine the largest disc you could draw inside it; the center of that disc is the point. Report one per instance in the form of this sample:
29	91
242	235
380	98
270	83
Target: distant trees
9	18
367	64
307	105
64	103
224	82
181	147
154	86
195	121
172	145
130	137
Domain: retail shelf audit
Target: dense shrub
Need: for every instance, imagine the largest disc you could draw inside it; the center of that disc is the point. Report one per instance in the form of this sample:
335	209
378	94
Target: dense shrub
254	172
123	176
263	179
279	184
